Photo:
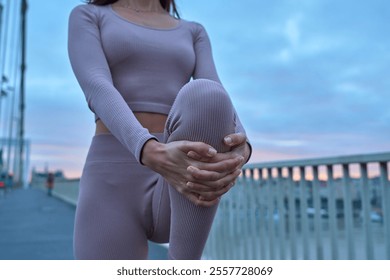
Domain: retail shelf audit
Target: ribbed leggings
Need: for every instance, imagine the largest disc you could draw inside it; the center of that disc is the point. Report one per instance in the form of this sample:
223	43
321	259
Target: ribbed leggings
123	204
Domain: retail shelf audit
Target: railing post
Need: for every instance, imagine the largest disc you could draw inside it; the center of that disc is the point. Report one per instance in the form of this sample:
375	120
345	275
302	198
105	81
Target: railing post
303	208
225	233
384	175
254	195
253	244
332	212
248	214
217	244
317	214
261	215
241	223
271	210
348	213
281	212
232	214
292	213
235	206
366	211
217	240
244	216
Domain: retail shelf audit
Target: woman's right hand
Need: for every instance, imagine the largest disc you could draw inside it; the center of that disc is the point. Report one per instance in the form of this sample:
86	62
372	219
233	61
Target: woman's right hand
172	162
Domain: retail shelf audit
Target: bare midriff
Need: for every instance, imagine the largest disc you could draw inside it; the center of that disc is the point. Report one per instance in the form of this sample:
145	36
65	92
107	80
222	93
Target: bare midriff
155	123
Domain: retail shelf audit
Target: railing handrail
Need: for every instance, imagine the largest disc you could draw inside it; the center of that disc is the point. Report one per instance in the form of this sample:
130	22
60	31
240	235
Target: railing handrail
350	159
288	218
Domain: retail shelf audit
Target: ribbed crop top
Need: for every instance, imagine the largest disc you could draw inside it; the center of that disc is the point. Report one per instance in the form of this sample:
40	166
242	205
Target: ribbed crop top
124	67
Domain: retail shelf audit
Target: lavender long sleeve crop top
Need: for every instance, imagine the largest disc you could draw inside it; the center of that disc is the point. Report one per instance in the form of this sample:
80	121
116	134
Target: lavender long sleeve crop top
123	67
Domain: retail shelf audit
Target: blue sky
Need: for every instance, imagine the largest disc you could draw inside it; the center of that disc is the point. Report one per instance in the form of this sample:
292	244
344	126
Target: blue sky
308	78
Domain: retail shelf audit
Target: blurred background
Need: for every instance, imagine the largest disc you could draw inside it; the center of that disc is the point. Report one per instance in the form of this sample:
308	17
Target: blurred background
309	79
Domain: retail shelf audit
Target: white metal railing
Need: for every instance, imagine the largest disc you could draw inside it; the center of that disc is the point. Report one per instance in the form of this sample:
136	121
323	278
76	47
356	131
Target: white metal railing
327	208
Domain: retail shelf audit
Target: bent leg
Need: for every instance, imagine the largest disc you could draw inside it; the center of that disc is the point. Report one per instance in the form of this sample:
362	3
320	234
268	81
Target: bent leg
202	112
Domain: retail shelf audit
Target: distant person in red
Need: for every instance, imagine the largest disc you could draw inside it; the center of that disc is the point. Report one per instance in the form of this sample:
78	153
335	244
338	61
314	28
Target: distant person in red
2	188
2	184
50	183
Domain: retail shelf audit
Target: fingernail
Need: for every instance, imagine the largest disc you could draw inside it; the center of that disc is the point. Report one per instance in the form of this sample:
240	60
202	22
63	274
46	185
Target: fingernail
212	151
190	185
190	169
228	140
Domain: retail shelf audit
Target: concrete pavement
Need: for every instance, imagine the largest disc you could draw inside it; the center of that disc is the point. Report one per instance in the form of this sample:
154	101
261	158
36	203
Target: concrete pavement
34	226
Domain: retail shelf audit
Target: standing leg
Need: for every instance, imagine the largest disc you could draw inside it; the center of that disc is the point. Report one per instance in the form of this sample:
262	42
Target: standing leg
106	224
202	112
113	215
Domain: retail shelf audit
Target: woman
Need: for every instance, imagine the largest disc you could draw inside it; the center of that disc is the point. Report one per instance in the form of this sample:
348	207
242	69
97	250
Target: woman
158	163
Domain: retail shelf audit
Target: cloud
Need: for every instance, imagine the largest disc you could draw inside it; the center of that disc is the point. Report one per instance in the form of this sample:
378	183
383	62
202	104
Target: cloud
292	31
65	157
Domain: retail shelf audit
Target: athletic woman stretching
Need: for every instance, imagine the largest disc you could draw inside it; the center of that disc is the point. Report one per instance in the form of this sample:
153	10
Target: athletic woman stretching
168	142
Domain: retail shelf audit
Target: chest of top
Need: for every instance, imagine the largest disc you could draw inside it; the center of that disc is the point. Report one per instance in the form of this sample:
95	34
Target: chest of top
124	41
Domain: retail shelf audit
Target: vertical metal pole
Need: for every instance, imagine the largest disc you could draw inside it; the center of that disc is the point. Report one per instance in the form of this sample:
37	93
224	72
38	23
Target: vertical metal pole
261	214
1	21
22	92
243	217
246	219
240	225
385	205
220	236
232	211
317	214
211	242
270	214
348	213
220	232
303	208
366	211
1	29
281	212
3	54
216	238
332	213
236	221
292	214
253	193
2	64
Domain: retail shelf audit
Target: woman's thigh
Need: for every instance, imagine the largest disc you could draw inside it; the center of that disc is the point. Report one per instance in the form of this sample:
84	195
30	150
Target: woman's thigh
110	224
114	216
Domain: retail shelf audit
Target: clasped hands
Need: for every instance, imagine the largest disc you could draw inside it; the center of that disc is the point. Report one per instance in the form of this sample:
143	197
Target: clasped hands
195	169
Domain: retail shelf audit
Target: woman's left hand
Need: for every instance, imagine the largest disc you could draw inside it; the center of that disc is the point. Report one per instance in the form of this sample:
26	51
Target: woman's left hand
239	149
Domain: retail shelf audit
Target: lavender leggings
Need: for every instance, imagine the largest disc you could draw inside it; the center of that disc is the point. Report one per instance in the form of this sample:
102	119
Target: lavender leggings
122	204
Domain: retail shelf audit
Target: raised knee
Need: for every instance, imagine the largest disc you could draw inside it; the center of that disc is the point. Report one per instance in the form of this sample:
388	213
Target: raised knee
204	92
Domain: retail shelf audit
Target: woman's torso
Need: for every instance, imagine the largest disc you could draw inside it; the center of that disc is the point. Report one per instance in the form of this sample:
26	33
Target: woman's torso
148	64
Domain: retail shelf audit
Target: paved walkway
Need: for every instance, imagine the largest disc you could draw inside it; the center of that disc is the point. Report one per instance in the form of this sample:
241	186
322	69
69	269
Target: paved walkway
34	226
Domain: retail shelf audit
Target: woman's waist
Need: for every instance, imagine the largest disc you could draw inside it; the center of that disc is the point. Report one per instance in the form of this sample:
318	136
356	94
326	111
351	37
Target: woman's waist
105	147
154	122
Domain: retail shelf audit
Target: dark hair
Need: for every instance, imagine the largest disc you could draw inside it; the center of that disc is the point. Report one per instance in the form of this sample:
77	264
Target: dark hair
168	5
